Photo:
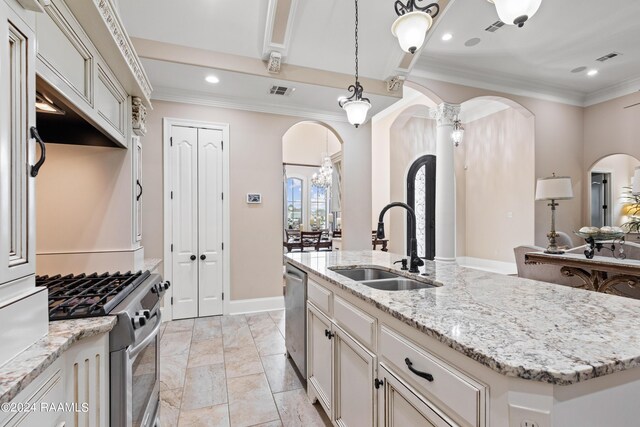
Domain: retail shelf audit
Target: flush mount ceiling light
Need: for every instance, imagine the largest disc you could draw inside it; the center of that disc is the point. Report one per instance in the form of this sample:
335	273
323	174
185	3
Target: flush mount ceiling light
413	23
516	12
355	105
212	79
458	132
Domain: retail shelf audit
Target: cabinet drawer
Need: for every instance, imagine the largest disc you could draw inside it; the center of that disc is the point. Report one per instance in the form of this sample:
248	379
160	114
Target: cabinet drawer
461	394
319	296
357	322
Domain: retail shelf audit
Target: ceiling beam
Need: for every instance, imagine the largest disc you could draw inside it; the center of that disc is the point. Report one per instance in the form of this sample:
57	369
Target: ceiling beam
168	52
279	26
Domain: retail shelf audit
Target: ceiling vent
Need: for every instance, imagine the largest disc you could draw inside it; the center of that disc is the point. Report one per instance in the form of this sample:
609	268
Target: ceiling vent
495	26
281	90
608	56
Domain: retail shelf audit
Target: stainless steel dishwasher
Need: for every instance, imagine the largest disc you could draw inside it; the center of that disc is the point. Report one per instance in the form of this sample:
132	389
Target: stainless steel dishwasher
295	302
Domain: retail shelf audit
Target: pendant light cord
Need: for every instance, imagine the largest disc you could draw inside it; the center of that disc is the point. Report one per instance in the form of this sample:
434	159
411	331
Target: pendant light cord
356	42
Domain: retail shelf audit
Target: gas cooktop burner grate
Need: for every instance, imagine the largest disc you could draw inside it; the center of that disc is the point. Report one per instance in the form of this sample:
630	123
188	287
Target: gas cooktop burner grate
74	297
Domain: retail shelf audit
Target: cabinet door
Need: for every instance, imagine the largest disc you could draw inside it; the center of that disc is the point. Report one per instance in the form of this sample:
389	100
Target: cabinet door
354	391
136	145
401	405
319	356
17	116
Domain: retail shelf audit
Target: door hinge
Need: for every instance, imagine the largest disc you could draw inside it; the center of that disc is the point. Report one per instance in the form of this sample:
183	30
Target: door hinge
171	300
171	141
172	195
223	296
378	383
222	145
222	196
223	246
172	247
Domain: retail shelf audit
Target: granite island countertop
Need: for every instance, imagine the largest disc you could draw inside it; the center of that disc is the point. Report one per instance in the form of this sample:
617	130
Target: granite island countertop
517	327
19	372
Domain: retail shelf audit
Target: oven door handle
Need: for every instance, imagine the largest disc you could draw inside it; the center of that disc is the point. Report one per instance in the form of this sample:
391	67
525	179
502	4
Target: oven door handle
138	348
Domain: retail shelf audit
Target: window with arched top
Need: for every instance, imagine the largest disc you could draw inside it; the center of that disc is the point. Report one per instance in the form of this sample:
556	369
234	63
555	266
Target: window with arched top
294	203
421	196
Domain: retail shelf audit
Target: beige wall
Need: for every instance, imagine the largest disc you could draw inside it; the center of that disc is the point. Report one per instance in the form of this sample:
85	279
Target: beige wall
255	166
84	205
306	142
499	181
559	146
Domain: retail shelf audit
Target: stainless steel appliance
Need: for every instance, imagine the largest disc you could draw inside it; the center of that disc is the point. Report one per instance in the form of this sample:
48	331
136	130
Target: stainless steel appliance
134	342
295	300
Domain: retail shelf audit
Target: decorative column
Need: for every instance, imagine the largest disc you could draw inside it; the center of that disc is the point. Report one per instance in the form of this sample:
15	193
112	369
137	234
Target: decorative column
445	114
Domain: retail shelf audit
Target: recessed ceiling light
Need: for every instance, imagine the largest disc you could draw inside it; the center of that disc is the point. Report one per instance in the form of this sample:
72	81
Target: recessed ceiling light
446	37
592	73
212	79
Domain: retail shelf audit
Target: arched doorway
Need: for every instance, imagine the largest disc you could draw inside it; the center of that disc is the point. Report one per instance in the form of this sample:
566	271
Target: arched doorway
421	196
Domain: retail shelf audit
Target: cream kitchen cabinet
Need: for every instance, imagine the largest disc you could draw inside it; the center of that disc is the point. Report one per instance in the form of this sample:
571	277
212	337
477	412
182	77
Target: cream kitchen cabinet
71	392
136	146
17	148
70	62
341	372
364	373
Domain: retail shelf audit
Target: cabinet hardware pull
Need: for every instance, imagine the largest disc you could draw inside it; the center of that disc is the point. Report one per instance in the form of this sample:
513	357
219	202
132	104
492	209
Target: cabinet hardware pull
203	257
427	376
43	152
328	334
192	257
378	383
140	187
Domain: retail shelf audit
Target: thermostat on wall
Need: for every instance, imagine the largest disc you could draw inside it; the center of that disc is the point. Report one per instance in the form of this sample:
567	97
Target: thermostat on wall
254	198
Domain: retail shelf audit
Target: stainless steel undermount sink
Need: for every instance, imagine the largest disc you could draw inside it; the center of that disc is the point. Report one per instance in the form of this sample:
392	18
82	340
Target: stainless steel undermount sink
382	279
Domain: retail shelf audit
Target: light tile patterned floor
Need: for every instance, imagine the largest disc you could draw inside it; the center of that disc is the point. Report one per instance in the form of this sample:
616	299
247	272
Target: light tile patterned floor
231	371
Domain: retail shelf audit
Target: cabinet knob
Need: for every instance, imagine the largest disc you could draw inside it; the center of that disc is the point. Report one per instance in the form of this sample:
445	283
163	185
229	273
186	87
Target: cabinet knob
192	257
203	257
329	334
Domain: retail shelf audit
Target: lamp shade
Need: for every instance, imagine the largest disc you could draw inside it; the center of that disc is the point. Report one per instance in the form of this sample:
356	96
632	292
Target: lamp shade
636	182
411	29
516	12
356	111
554	188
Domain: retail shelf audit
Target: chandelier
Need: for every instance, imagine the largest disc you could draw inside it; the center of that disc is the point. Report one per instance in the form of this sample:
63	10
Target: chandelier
413	23
323	178
516	12
356	106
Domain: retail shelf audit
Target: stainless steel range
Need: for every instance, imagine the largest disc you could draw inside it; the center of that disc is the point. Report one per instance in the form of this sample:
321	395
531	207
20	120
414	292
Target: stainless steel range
134	342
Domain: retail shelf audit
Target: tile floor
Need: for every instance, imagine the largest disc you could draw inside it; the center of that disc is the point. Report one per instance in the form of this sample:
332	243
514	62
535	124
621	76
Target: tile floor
231	371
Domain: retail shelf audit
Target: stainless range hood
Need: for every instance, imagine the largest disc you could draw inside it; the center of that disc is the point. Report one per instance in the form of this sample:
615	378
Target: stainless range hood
60	122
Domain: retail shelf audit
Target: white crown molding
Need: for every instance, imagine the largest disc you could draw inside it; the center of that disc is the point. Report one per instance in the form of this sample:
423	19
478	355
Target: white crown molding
612	92
198	98
508	85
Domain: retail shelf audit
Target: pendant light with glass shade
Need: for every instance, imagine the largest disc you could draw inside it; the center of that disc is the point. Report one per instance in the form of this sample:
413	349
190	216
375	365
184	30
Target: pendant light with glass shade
356	106
516	12
413	23
458	132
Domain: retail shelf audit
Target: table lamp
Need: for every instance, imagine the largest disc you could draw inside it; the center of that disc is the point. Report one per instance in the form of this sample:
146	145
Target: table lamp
554	188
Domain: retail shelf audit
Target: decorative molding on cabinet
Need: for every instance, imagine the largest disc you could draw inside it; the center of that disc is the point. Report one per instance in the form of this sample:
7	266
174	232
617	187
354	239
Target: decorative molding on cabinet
110	17
138	116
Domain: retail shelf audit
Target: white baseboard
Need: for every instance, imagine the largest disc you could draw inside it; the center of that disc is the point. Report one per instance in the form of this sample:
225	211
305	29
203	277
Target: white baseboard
500	267
255	305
